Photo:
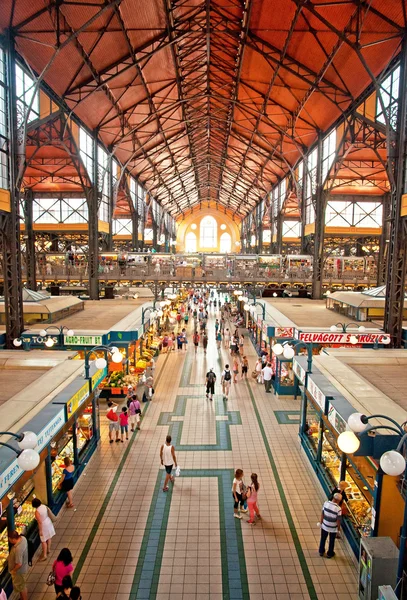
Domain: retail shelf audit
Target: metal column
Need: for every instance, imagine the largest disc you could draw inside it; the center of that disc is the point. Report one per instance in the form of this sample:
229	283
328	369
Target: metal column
30	240
259	230
93	204
155	228
396	264
279	237
320	202
384	238
13	295
134	233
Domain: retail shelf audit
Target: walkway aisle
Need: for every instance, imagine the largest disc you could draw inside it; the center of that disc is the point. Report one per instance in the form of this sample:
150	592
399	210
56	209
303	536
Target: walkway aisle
131	540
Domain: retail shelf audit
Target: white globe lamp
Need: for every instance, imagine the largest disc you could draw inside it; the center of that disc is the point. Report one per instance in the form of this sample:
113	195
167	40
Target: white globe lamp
117	357
357	422
160	313
114	349
348	442
70	332
393	463
386	341
43	332
288	352
246	306
100	363
333	328
49	342
17	342
361	328
29	441
274	295
28	460
353	339
277	349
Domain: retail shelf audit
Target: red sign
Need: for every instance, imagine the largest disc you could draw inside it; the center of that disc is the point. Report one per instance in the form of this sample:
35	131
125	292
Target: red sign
329	337
284	332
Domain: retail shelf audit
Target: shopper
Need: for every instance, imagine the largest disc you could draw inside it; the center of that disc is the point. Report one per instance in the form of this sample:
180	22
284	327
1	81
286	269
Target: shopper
195	339
237	491
267	377
210	384
179	341
62	567
113	419
205	342
226	339
124	424
66	483
218	340
241	345
258	368
168	460
235	368
18	563
341	489
226	380
330	524
44	518
251	494
134	412
171	342
245	367
66	588
75	593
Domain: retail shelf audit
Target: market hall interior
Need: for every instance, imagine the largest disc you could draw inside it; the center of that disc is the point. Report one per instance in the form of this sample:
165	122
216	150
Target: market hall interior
185	186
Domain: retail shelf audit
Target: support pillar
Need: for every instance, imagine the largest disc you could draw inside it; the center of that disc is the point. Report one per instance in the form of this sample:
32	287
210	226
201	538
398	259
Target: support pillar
30	240
134	233
279	240
383	242
109	239
13	295
259	232
396	264
303	219
320	203
155	233
93	205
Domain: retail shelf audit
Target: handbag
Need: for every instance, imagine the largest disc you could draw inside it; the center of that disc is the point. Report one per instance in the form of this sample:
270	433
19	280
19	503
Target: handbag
51	578
51	514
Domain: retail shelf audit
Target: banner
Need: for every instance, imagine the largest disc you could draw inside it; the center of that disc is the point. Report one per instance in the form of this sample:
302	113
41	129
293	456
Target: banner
83	340
329	337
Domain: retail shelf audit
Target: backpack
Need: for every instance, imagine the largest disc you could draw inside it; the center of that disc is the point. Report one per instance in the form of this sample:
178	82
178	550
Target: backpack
227	376
211	377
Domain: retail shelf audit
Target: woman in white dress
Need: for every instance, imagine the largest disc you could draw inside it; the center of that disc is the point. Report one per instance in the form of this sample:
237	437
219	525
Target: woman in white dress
45	526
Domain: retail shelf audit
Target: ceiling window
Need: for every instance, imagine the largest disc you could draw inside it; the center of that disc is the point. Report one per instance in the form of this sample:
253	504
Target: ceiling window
388	102
86	151
28	100
291	229
328	153
190	242
225	243
209	230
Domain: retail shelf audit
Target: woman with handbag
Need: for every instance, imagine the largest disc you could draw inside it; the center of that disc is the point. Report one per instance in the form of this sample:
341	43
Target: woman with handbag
67	480
44	518
238	493
62	568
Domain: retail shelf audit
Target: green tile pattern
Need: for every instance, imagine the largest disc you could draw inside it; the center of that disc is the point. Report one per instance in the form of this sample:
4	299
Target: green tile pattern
287	417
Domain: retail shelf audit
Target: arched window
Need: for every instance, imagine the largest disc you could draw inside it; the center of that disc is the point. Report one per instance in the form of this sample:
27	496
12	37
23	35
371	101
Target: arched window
190	242
225	243
208	233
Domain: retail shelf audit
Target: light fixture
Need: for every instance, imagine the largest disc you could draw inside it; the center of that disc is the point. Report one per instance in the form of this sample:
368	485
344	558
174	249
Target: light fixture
163	303
348	442
18	342
223	227
193	226
70	332
28	460
100	363
153	314
361	328
353	339
333	328
357	422
328	293
386	341
246	306
393	463
117	357
43	332
238	293
114	349
288	352
49	342
277	349
160	313
135	296
29	441
275	295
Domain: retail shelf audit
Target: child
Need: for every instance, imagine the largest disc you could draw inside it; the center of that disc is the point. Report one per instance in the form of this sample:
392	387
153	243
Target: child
124	423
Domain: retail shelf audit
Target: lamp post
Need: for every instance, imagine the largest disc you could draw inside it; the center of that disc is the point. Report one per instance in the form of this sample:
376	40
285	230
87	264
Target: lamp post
392	463
27	457
246	305
288	351
101	363
147	309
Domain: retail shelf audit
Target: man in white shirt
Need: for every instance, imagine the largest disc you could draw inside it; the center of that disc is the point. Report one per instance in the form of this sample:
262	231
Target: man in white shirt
330	524
267	372
226	380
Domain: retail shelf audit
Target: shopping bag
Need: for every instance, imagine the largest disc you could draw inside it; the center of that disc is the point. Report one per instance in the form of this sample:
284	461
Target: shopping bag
177	471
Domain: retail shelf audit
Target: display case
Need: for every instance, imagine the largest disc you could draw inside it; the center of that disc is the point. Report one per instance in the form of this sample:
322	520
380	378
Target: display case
284	383
61	449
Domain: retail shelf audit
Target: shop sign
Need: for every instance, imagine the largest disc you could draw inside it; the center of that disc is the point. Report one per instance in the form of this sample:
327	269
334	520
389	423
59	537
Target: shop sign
50	430
335	419
37	340
284	332
316	393
98	377
79	398
299	371
10	475
320	337
83	340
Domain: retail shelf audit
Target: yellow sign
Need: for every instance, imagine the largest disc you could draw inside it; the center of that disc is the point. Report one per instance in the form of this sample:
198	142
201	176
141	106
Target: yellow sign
403	211
79	398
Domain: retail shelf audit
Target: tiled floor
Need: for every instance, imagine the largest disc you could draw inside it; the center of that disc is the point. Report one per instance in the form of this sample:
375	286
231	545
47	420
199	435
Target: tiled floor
130	540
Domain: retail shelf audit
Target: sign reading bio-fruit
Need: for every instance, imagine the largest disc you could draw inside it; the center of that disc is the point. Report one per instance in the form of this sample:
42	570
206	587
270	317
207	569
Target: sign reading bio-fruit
321	337
83	340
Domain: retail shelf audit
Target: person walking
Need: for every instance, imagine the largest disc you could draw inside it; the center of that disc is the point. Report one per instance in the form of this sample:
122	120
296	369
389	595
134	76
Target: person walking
124	424
66	483
241	345
44	518
267	377
251	495
218	340
237	491
66	588
18	563
258	368
226	380
62	567
210	384
226	338
235	368
205	341
196	339
331	516
245	367
168	460
179	341
113	419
